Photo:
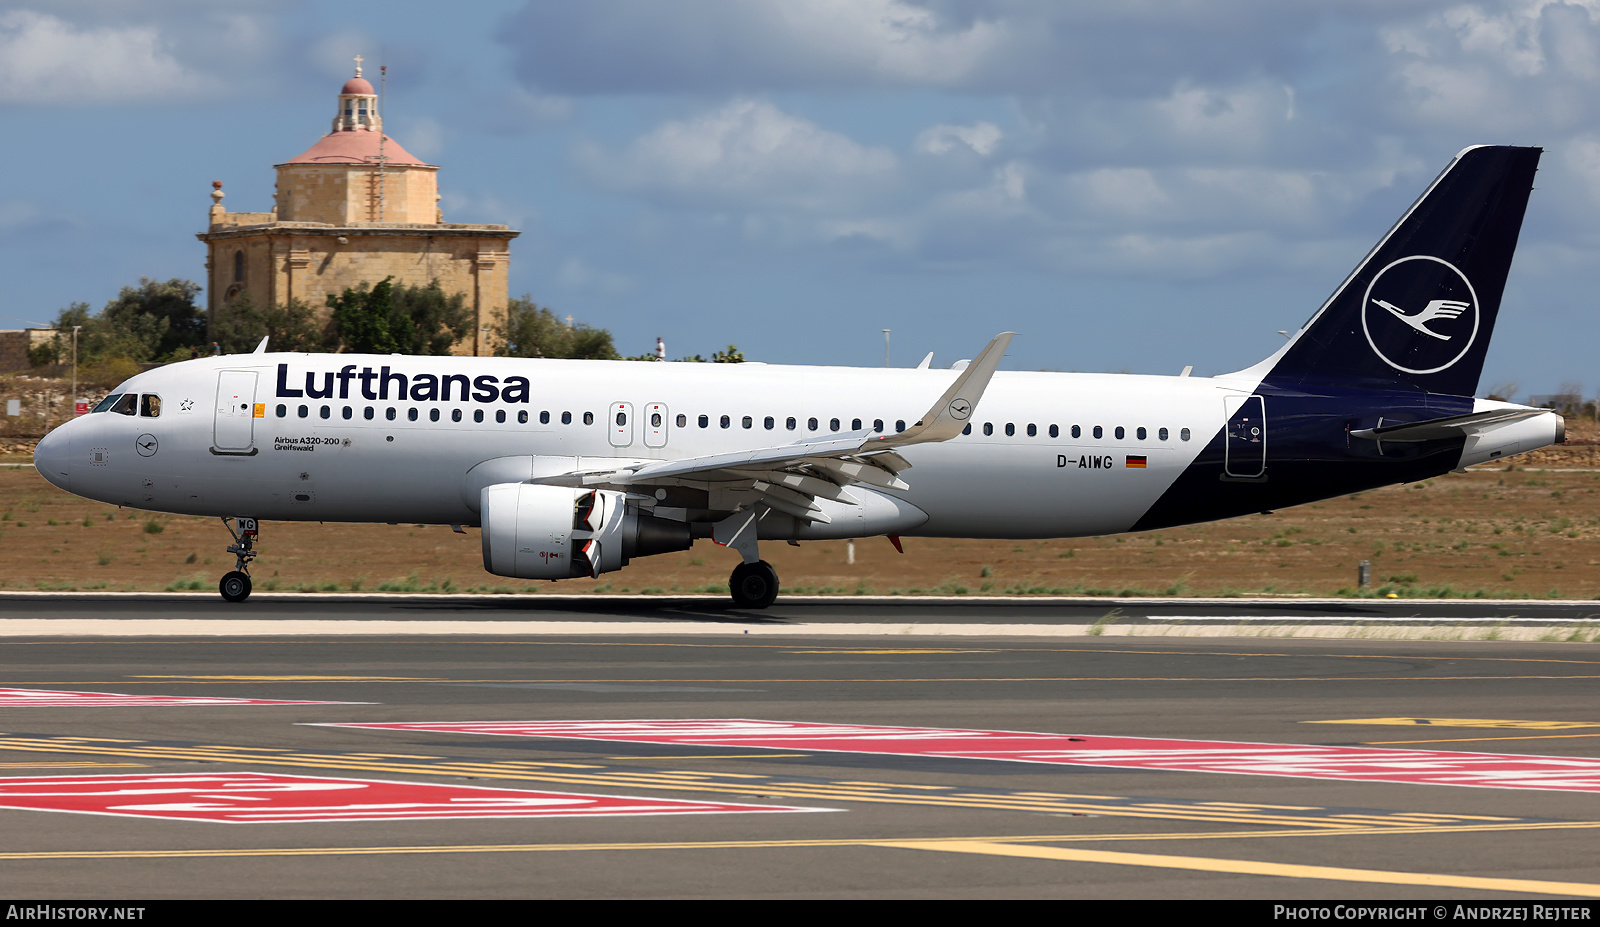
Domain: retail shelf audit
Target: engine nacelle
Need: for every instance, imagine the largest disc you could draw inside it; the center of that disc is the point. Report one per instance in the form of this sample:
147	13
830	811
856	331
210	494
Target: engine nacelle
556	532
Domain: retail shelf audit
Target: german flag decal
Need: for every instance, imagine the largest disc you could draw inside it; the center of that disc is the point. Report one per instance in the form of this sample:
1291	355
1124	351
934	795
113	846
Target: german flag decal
1135	462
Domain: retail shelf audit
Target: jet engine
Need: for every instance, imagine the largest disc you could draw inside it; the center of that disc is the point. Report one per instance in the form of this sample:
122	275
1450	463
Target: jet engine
556	532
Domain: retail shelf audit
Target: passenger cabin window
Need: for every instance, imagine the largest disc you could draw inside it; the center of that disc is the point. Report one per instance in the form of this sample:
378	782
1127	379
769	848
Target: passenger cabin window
347	412
725	421
544	418
522	417
283	410
1140	434
833	424
749	422
1010	429
988	428
500	416
1184	434
855	424
1099	432
566	418
877	425
455	415
1120	432
477	415
305	411
1077	432
1055	431
1162	434
326	411
588	418
1033	430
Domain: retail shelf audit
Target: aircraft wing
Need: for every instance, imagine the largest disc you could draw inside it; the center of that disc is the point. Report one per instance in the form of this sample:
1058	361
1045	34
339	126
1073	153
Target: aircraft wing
789	477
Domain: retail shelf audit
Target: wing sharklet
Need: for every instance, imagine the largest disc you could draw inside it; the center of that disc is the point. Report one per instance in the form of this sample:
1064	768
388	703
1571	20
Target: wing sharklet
954	409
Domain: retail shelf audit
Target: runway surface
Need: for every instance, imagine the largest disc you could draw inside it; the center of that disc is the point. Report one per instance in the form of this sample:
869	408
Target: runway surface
270	796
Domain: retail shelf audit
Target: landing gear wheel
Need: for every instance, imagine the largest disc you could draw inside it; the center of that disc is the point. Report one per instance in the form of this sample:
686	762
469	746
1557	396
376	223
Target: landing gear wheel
753	585
235	587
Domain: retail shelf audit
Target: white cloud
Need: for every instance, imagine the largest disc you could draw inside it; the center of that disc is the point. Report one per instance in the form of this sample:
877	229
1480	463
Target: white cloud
1511	67
611	45
981	137
747	153
45	60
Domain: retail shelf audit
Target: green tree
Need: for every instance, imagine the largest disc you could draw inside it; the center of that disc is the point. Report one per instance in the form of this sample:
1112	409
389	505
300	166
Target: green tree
152	321
534	331
291	326
386	319
731	356
164	315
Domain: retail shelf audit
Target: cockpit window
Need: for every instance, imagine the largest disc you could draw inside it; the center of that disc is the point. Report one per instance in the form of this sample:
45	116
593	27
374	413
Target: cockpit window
106	403
127	404
150	407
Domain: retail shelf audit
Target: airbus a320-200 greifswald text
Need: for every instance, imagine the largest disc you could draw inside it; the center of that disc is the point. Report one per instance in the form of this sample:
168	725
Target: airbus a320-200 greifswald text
574	468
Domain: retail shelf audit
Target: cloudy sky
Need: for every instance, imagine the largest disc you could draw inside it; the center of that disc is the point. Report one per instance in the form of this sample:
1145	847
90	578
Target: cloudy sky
1134	186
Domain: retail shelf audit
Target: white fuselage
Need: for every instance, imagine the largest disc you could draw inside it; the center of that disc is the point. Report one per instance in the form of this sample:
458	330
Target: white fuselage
227	443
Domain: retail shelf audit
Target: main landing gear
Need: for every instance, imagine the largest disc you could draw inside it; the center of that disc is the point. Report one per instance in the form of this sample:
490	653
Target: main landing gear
235	586
753	585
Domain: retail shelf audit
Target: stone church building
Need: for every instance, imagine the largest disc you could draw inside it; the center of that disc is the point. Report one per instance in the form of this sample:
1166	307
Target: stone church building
356	208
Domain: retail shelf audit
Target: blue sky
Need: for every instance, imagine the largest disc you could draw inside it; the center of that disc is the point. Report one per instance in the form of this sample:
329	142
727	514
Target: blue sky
1135	186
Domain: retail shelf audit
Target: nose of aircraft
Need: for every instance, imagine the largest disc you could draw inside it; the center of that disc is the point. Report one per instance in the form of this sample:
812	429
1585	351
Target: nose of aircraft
51	456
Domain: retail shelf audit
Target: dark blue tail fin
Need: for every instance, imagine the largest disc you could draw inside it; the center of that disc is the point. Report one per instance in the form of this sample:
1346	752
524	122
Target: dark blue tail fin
1418	312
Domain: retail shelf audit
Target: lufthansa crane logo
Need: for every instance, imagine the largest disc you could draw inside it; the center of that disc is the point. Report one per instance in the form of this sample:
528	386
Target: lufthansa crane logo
1420	314
960	409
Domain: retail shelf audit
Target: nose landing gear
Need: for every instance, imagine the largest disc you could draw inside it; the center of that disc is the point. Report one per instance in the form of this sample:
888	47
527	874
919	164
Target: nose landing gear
235	586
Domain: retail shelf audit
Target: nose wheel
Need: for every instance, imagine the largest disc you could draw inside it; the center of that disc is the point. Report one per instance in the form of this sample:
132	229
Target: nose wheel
235	586
753	585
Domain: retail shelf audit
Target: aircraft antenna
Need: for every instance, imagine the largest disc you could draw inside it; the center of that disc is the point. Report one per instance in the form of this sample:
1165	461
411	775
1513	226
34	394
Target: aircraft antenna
383	87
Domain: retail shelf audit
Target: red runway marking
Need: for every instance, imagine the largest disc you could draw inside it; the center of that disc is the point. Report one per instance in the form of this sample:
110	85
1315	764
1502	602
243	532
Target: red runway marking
268	798
44	698
1435	767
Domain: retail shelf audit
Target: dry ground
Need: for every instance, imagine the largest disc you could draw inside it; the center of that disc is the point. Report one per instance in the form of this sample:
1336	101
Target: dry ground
1522	532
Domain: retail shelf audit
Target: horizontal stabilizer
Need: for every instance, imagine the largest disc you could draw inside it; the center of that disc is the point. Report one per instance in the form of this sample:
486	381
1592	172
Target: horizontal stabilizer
1454	426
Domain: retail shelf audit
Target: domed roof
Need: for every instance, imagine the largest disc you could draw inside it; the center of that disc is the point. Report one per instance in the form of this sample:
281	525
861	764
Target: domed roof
354	147
357	85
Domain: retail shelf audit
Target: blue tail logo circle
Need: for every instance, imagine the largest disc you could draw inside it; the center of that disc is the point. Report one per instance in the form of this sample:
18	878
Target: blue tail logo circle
1420	314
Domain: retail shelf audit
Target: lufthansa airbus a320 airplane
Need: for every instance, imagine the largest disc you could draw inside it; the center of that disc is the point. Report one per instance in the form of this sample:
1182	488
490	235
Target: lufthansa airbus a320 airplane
574	468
